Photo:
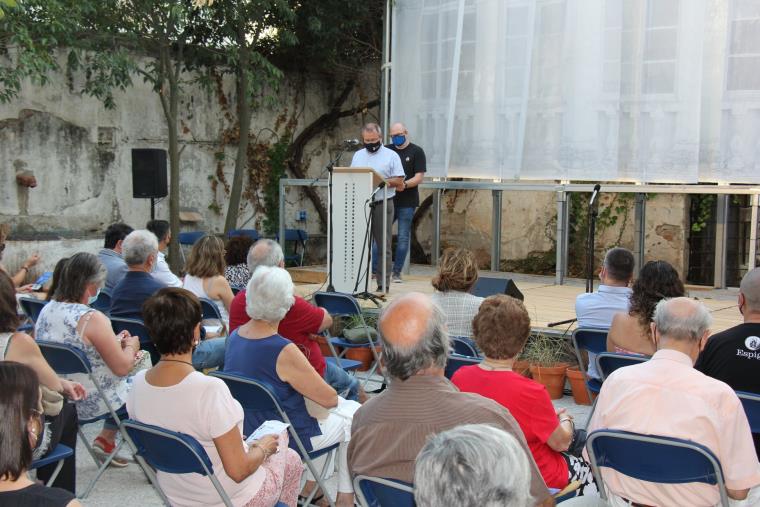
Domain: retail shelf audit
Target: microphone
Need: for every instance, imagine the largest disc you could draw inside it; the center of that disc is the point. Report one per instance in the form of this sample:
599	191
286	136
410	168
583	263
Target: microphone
597	187
380	186
352	142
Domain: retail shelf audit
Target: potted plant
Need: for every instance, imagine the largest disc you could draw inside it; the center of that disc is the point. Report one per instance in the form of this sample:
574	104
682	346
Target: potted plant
577	381
549	356
356	331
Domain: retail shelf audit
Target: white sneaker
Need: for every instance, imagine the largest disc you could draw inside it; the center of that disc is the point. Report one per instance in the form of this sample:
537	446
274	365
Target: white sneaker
397	278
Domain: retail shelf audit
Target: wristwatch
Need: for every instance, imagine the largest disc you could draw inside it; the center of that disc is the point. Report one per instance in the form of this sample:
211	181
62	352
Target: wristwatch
404	184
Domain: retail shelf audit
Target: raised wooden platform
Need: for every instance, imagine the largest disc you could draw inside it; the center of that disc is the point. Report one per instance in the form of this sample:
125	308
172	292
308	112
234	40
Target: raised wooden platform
545	301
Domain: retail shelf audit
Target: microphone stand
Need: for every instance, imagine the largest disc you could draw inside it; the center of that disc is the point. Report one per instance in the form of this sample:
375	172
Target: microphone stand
366	294
329	168
593	211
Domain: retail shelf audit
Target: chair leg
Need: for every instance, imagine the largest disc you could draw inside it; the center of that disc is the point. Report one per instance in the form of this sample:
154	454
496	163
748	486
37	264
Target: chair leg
88	446
319	478
103	467
55	473
591	413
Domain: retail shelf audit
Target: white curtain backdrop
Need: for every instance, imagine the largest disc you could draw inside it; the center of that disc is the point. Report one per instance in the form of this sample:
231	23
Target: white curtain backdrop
627	90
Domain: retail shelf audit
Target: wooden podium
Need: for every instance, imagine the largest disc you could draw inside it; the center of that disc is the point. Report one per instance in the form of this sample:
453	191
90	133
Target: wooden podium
352	188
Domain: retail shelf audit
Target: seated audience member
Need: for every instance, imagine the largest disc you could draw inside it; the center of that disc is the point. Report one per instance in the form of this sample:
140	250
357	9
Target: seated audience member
236	272
596	309
205	274
161	271
53	285
68	319
731	356
474	464
174	396
390	429
667	396
21	432
501	328
456	276
20	276
61	416
630	333
110	254
300	325
257	351
140	251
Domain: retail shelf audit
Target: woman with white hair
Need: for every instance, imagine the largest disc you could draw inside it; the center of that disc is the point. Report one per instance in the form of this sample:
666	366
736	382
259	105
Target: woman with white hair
257	351
474	464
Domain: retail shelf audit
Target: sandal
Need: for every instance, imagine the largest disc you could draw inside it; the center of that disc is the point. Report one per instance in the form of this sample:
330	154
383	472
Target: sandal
302	499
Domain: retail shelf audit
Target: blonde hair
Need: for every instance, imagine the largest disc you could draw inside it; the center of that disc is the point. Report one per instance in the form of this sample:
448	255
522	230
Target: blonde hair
457	270
206	258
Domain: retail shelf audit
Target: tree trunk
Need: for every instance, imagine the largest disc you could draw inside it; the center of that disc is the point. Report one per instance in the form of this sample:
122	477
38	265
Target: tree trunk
418	255
171	121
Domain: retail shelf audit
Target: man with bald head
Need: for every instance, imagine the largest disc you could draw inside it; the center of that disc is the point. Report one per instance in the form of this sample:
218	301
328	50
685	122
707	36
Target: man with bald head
733	356
391	428
666	396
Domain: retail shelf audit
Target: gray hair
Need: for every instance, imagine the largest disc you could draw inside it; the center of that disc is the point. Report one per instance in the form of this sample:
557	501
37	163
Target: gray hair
264	252
78	272
372	127
269	294
474	464
430	350
688	324
138	246
750	287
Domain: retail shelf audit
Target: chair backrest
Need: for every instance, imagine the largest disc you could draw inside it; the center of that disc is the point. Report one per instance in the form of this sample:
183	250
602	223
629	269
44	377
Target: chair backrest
168	451
236	289
652	458
590	340
209	309
463	346
751	404
190	237
337	304
455	361
31	306
136	328
251	233
64	359
253	395
378	492
486	286
296	235
607	362
103	303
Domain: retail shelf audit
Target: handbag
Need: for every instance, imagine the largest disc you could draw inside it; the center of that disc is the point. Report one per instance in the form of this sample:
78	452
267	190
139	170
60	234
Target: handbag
143	362
52	401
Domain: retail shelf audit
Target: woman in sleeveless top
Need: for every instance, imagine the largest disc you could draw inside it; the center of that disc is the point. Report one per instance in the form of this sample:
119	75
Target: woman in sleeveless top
205	274
21	433
255	350
631	333
67	319
20	347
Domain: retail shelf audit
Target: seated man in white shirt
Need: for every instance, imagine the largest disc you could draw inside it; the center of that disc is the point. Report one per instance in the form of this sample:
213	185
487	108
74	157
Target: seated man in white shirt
596	309
161	271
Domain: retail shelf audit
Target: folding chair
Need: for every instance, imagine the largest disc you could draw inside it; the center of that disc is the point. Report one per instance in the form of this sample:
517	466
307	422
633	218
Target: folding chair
607	362
209	309
751	404
68	360
171	452
378	492
464	346
594	341
298	237
652	458
486	286
343	305
137	328
103	303
31	306
188	238
236	289
257	396
59	454
456	361
251	233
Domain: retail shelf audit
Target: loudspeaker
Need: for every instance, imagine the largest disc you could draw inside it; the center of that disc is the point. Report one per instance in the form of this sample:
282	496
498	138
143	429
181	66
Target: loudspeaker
148	173
485	287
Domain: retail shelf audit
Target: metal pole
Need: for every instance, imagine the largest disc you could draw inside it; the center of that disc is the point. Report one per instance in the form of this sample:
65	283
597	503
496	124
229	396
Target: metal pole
496	231
282	216
436	246
639	238
561	268
385	240
385	109
721	241
752	261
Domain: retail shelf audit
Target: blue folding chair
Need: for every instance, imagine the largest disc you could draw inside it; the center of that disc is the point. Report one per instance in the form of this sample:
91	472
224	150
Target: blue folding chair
103	303
68	360
59	454
594	341
464	346
486	286
190	237
751	404
379	492
257	396
251	233
607	362
137	328
209	310
343	305
298	238
236	289
456	361
31	306
652	458
171	452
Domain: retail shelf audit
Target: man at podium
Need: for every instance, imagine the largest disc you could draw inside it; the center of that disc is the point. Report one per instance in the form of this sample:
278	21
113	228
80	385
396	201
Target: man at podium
388	164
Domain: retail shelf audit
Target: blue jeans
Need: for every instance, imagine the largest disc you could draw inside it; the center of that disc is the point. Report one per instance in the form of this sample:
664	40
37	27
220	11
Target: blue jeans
345	384
404	217
209	354
109	423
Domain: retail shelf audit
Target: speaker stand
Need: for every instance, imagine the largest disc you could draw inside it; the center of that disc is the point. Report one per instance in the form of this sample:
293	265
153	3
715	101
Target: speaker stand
152	208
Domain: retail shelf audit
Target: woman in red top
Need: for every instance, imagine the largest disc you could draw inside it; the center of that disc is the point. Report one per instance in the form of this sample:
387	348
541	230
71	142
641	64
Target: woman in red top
501	329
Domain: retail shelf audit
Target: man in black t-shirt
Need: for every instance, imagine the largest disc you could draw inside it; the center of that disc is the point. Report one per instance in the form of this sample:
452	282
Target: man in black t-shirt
406	199
733	356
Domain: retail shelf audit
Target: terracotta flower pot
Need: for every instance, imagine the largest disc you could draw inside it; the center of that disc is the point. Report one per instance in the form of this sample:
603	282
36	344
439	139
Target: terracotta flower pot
522	367
552	377
324	347
578	385
364	355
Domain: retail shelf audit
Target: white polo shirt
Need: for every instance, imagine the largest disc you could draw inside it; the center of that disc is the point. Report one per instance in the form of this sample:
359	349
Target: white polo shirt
385	161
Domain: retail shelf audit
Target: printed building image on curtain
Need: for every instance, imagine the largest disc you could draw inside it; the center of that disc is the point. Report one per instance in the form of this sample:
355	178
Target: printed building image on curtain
628	90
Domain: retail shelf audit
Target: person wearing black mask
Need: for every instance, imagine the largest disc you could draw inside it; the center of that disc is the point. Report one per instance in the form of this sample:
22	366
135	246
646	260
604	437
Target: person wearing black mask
386	162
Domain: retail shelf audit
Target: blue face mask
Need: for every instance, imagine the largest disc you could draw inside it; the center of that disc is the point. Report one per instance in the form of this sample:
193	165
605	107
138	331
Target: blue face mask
94	298
398	140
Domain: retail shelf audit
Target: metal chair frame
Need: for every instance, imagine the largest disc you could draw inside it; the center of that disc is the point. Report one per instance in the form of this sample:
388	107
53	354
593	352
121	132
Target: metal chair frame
361	480
57	455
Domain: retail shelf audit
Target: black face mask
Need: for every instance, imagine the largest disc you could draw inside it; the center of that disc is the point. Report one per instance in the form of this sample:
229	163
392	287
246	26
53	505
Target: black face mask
372	147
